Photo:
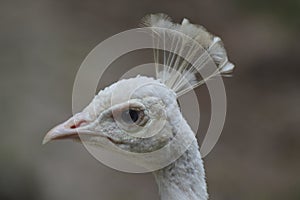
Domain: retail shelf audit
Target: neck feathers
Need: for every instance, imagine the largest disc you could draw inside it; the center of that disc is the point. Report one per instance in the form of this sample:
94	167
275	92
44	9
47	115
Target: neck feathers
185	178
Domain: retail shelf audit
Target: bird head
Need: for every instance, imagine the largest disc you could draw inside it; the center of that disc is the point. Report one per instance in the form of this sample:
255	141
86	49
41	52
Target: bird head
141	115
134	115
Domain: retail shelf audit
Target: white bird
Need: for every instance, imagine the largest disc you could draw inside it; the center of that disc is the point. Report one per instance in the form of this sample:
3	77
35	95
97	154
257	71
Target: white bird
126	124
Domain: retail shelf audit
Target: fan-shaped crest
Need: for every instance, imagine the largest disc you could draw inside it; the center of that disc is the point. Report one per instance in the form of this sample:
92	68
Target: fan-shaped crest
191	49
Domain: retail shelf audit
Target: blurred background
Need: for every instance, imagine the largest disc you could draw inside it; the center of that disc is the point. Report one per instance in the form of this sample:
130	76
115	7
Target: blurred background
42	44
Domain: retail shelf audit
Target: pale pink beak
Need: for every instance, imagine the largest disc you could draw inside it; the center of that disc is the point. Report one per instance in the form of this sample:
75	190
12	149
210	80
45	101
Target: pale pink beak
68	129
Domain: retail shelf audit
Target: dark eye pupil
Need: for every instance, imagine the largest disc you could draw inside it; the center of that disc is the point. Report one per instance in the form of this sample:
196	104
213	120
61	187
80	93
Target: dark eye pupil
130	116
134	115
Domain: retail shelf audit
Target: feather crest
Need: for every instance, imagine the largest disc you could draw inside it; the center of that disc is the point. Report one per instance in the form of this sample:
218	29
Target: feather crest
197	48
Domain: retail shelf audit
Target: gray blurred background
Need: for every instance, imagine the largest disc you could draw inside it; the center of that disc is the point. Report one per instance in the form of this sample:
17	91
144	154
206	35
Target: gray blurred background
42	44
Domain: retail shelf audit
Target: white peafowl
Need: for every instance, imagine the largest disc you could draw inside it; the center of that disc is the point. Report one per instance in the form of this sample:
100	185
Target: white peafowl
127	124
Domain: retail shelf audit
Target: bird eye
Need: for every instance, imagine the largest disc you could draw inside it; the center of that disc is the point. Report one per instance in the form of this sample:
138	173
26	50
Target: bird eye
133	116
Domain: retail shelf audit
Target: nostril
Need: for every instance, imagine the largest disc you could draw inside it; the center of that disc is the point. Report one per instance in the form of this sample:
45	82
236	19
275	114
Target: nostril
73	126
77	124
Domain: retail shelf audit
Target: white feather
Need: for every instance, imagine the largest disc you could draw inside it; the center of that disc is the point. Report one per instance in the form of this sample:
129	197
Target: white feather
195	44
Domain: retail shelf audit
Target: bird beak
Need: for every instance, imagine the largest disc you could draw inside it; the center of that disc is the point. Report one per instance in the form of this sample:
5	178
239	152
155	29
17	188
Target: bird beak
68	129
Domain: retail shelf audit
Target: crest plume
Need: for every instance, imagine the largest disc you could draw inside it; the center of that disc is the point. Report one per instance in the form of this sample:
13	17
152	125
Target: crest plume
191	49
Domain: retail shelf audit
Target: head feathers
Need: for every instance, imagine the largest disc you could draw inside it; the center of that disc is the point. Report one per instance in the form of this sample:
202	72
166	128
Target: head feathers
184	50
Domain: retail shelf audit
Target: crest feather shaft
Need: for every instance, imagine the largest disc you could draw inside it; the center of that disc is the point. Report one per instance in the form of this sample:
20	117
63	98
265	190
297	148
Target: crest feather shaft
183	51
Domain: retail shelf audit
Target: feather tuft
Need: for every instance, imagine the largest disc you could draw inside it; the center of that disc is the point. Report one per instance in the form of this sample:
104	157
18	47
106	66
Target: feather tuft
191	49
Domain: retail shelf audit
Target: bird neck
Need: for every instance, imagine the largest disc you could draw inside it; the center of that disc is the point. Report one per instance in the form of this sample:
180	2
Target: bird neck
184	179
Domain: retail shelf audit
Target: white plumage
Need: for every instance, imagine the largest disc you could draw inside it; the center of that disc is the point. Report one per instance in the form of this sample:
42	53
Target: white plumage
126	124
198	49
